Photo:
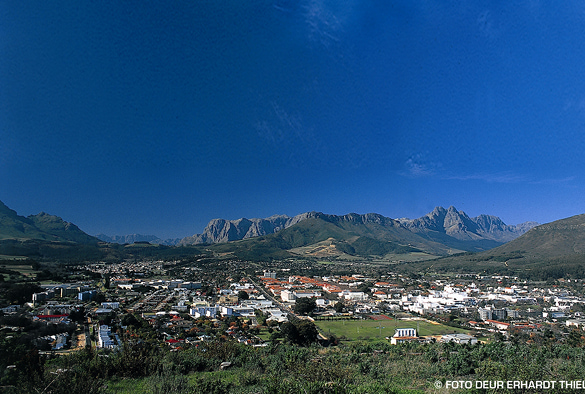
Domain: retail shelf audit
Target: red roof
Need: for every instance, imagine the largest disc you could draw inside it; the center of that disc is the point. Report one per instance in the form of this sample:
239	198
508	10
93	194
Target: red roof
497	322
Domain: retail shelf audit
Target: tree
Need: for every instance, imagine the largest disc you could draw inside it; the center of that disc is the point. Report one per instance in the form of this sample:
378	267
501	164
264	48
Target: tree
77	315
289	332
338	307
130	320
307	332
242	295
299	333
21	293
575	338
305	305
260	317
365	287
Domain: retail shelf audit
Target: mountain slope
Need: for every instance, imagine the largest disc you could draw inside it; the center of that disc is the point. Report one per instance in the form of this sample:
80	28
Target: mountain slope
221	230
39	227
13	226
64	231
558	238
352	234
549	251
456	229
445	231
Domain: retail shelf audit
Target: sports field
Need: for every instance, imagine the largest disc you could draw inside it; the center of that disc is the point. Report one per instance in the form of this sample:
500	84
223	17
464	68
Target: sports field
375	330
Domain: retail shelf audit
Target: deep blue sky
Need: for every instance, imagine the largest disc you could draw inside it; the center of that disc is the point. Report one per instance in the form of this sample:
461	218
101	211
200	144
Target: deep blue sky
155	117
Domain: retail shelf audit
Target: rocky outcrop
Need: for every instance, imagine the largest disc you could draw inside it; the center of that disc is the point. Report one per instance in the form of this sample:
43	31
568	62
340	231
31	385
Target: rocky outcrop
459	225
222	230
449	226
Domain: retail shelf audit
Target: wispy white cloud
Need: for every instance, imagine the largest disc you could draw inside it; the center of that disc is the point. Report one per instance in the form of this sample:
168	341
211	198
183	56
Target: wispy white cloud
325	21
286	133
501	177
486	25
323	25
508	177
417	167
553	181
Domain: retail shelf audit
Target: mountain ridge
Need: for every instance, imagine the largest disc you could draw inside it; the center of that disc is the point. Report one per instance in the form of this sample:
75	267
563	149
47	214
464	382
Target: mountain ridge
448	226
548	251
459	225
41	226
133	238
440	232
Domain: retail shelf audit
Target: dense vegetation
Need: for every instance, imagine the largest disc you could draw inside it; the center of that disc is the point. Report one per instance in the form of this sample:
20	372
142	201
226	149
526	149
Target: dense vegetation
283	368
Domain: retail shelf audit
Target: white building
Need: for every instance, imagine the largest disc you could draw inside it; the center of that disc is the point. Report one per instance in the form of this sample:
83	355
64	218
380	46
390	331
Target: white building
354	295
104	337
403	335
459	338
291	296
237	311
270	274
209	311
288	296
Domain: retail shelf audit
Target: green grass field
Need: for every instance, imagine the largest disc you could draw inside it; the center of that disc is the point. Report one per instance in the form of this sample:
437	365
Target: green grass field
22	270
264	334
375	330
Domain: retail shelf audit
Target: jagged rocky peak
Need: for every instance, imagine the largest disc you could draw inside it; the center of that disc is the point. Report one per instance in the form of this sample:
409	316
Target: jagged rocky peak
222	230
350	218
365	218
459	225
448	222
489	223
524	227
458	221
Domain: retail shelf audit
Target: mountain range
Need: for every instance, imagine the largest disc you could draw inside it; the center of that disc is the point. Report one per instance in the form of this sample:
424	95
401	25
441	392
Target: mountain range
457	229
450	227
133	238
444	239
549	251
441	232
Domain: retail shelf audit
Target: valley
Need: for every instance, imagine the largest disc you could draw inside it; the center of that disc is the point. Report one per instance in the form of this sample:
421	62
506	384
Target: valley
329	288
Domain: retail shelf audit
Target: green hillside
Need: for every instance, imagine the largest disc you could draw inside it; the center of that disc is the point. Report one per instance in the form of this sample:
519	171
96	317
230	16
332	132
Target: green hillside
348	237
562	237
61	229
549	251
13	226
39	227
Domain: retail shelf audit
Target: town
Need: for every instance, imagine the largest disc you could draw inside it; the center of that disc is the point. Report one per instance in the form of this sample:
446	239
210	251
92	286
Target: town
185	304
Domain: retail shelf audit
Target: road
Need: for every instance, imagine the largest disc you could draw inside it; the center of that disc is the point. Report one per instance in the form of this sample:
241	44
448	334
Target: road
282	307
